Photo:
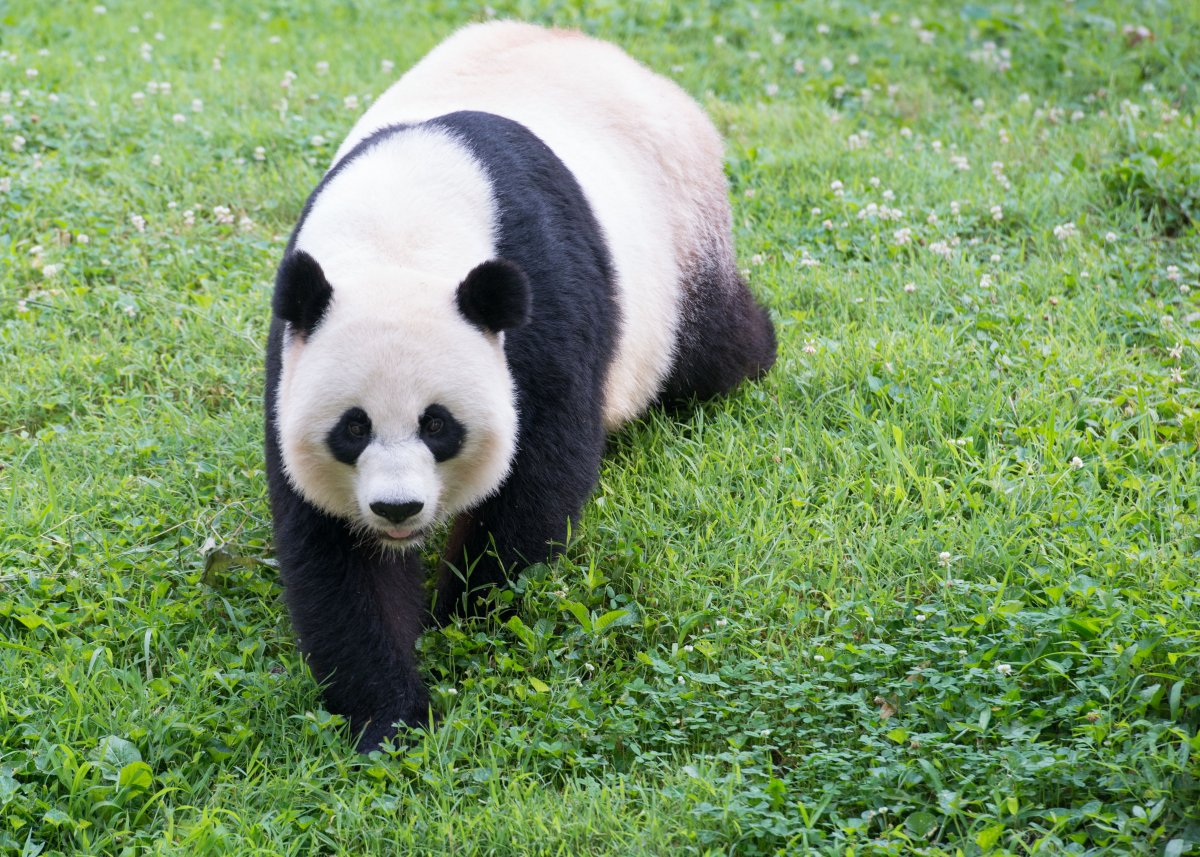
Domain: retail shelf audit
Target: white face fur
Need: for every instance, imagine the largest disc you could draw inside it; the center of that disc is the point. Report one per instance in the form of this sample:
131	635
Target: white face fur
378	392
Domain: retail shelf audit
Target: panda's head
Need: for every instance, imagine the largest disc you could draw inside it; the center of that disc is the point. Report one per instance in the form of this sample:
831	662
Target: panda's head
395	407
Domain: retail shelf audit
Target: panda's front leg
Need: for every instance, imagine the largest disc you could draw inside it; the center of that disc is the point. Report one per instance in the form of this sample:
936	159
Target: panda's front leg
357	611
528	520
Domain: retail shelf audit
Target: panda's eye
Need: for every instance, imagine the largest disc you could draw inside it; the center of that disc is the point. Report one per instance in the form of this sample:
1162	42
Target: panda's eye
350	436
442	433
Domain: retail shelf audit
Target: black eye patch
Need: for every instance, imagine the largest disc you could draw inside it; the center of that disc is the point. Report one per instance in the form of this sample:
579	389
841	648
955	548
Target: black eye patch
442	433
350	436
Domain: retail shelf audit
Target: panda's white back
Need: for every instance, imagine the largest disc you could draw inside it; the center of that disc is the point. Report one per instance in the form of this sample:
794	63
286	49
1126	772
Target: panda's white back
647	158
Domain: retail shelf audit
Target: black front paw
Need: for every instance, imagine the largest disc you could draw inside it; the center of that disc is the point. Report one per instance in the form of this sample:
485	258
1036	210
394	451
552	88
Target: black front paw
381	727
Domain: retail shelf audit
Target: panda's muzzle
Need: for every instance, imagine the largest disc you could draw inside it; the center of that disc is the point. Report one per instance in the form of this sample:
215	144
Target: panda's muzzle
397	513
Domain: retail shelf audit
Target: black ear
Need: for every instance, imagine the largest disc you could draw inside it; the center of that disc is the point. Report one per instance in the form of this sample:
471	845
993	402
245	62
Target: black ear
495	296
302	293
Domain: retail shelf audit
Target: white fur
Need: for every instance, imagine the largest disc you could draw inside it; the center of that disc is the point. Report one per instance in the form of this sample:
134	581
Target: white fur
646	156
395	232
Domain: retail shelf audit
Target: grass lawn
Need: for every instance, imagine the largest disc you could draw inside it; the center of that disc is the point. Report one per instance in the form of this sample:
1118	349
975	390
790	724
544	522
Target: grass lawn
931	587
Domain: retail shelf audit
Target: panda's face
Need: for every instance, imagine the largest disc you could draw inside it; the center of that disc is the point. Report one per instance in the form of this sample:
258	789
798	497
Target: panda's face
395	412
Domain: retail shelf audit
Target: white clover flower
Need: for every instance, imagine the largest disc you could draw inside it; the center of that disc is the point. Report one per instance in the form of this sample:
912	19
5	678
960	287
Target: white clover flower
322	67
317	140
156	160
906	132
1004	669
1110	237
215	25
189	218
5	184
798	67
1173	273
960	163
921	617
18	143
825	65
1065	231
771	89
985	282
1177	375
944	559
910	287
82	238
827	224
721	623
350	102
22	306
819	658
260	154
31	73
50	271
1076	463
386	66
902	236
1176	352
139	98
997	213
810	347
99	10
139	222
288	78
941	248
179	119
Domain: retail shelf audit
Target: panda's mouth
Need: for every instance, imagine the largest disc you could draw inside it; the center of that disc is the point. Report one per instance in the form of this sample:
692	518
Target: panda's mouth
400	537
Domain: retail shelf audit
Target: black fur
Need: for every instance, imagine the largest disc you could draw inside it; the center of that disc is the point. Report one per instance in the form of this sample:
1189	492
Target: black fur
302	293
558	360
442	433
495	296
350	436
725	336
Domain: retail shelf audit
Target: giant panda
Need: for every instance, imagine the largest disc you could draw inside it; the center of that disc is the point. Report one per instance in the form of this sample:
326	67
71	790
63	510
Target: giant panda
523	244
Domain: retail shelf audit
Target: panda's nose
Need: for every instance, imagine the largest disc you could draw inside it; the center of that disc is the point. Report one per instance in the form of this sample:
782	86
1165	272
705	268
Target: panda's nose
397	512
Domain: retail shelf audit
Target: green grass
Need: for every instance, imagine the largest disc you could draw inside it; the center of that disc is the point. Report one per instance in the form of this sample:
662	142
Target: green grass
931	587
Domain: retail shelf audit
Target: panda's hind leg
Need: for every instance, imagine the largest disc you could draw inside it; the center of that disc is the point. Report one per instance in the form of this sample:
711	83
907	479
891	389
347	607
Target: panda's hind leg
725	335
